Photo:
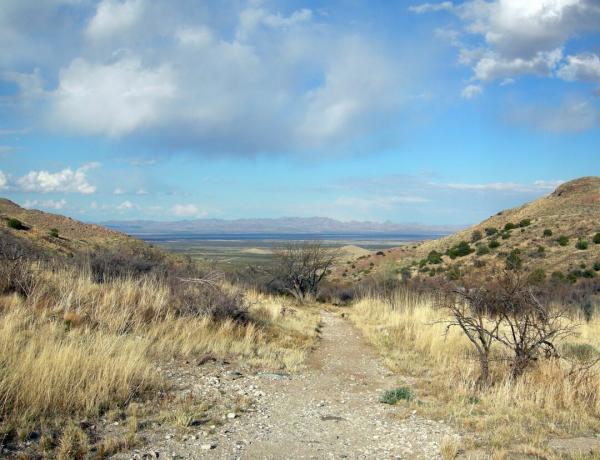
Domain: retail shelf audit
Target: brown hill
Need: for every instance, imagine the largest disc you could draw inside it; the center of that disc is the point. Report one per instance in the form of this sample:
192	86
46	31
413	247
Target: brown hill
571	211
41	228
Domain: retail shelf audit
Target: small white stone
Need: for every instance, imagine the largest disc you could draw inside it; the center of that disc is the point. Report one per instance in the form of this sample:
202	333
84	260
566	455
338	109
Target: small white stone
231	415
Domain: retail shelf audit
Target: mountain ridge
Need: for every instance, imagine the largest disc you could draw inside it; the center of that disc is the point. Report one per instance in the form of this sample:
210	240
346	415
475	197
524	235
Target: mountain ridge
273	225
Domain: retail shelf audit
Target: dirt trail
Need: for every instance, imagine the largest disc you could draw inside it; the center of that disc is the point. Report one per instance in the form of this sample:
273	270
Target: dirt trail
330	410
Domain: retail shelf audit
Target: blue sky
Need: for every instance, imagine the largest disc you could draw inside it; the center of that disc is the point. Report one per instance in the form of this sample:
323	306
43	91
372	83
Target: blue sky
437	113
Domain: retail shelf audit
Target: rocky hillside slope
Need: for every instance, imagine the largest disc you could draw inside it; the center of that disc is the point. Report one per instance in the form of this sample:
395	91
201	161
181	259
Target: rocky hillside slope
59	235
557	233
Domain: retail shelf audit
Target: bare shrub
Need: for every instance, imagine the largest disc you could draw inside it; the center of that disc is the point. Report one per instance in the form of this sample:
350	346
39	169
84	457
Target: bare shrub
507	311
300	267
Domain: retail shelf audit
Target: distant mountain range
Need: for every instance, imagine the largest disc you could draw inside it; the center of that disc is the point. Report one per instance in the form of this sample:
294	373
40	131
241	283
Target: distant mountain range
289	225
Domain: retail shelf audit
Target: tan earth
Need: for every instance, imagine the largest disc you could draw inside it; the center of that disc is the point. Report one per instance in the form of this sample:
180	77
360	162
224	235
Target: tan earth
330	410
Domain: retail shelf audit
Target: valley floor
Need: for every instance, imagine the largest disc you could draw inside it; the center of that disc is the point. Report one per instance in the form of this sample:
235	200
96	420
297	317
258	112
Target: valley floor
329	410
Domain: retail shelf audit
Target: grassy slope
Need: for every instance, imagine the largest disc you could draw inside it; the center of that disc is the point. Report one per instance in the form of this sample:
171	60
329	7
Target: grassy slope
95	348
572	210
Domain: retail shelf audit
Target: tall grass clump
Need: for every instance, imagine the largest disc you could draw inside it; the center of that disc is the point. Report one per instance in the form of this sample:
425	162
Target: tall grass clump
76	343
553	396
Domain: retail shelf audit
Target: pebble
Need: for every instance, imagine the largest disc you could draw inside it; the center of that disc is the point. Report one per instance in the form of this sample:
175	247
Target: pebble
231	415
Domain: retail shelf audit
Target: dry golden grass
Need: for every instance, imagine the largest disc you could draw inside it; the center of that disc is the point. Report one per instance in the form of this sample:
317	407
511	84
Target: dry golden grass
74	348
545	402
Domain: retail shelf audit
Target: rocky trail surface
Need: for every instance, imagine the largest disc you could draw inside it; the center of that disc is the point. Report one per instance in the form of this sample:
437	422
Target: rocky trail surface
329	410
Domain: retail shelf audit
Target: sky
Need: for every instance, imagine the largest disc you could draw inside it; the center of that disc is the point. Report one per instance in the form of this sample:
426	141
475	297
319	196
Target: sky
436	113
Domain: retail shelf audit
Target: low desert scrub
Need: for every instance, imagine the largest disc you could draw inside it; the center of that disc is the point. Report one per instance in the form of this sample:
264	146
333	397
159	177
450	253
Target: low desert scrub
549	398
73	346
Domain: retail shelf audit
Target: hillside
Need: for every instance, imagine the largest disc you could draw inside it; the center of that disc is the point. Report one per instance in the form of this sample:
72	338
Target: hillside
55	234
571	211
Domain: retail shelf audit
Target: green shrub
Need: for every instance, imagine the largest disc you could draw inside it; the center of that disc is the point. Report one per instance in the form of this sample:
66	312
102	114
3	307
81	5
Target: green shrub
572	277
562	240
490	231
16	224
454	273
537	276
582	245
588	273
514	260
53	233
525	223
397	394
596	239
482	250
494	244
434	257
557	277
476	236
510	226
460	250
597	266
547	232
505	235
541	249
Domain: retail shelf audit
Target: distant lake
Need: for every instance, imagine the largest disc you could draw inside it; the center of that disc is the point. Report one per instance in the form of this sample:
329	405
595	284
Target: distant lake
279	237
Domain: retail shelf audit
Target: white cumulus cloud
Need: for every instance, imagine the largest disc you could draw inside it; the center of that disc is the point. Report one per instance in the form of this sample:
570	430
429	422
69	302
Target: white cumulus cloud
67	180
471	91
113	99
584	67
113	17
187	210
3	180
431	7
45	204
126	206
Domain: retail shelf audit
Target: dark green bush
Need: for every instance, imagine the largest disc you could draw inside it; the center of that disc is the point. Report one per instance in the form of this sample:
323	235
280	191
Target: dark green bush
53	233
434	257
490	231
510	226
537	276
588	273
482	250
547	232
460	250
596	239
582	245
562	240
525	223
494	244
397	394
514	260
476	236
597	266
16	224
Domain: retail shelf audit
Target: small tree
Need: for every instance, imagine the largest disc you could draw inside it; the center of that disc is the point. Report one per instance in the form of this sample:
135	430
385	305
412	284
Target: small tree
300	267
468	308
